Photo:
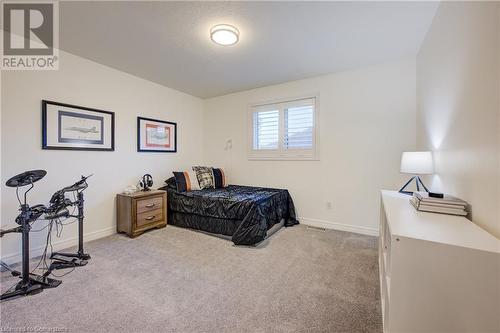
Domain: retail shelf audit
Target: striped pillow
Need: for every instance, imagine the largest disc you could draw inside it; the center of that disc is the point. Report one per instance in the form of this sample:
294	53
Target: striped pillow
219	178
186	181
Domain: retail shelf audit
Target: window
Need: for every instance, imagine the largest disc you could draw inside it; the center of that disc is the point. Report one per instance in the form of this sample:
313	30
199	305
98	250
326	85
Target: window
299	122
266	126
284	130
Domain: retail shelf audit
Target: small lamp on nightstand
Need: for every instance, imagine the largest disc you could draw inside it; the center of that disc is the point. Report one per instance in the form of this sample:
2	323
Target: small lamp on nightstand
416	163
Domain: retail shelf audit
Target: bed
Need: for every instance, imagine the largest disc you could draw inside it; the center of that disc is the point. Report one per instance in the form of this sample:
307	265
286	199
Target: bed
244	213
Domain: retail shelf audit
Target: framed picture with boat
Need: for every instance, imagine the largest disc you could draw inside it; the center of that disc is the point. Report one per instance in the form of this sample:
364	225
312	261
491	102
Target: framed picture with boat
155	135
73	127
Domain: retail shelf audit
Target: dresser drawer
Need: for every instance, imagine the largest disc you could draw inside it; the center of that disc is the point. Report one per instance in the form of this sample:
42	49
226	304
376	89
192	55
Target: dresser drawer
149	217
149	204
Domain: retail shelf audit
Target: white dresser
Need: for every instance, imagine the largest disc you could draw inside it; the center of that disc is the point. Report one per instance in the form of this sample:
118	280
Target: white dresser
438	273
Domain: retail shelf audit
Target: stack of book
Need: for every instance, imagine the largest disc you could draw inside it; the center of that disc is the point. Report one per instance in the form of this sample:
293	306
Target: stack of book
447	205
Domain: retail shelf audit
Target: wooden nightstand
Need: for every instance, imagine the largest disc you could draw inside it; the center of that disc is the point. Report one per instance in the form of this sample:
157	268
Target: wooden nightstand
141	211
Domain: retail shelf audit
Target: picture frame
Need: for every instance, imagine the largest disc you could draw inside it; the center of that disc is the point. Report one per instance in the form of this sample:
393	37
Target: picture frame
157	136
74	127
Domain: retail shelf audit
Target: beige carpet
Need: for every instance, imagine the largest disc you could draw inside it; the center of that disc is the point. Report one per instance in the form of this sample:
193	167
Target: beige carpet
178	280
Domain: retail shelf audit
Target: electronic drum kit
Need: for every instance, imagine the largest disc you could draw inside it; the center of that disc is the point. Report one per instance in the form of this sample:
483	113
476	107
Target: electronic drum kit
56	211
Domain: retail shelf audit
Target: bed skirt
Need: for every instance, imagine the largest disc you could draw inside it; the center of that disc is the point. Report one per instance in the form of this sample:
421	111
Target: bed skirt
215	225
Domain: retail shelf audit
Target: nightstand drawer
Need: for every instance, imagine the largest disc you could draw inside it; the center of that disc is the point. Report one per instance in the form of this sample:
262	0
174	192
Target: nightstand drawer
149	217
150	204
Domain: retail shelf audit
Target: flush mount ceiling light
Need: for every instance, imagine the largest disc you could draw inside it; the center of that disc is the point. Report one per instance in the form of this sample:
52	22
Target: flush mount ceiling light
224	34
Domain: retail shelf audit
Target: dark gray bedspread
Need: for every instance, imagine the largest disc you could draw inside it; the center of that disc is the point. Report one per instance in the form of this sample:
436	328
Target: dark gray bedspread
243	212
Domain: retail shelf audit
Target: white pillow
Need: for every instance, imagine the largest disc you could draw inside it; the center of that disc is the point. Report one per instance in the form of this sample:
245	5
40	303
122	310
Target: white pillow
193	180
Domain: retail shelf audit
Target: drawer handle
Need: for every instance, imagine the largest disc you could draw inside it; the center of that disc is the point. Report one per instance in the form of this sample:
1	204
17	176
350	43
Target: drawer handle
150	205
149	218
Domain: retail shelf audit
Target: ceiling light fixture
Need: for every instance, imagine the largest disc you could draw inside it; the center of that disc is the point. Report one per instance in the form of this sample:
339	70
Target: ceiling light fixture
224	34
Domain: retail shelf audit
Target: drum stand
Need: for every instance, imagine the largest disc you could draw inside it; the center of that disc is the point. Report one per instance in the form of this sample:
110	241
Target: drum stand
80	258
30	283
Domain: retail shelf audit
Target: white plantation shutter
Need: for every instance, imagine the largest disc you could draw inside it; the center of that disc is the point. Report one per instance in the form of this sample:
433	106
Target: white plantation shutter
299	122
284	130
266	129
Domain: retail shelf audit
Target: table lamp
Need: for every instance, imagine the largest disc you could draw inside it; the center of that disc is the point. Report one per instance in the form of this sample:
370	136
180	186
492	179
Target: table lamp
416	163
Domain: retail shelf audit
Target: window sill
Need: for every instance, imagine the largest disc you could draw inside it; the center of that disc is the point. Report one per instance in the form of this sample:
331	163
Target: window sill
282	158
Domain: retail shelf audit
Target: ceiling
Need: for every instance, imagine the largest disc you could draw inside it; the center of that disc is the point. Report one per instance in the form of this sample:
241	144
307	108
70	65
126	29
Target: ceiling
168	42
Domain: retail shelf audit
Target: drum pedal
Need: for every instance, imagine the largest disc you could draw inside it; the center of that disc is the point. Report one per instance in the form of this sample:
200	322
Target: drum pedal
46	282
60	259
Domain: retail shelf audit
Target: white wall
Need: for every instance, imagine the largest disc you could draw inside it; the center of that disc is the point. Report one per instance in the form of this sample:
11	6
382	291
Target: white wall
458	105
83	82
367	118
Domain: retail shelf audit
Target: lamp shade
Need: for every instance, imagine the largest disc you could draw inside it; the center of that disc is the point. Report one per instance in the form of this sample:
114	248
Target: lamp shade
417	163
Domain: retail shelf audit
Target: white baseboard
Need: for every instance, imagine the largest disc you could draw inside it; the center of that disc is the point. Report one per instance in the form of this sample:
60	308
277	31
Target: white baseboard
339	226
14	258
